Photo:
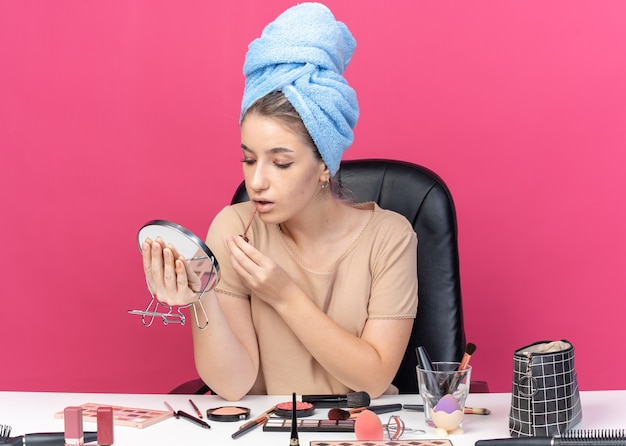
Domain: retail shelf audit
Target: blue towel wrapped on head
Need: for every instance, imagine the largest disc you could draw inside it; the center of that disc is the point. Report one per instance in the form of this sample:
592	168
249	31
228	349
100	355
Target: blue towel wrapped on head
303	53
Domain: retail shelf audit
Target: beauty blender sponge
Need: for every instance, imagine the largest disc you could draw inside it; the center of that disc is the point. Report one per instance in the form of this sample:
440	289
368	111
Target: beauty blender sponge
448	404
368	427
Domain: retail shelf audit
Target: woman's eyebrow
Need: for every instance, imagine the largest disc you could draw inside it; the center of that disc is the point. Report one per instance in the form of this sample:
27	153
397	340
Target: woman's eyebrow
273	150
280	150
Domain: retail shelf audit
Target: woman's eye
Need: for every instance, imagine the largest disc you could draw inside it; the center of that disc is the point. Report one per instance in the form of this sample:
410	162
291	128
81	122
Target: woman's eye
248	161
283	165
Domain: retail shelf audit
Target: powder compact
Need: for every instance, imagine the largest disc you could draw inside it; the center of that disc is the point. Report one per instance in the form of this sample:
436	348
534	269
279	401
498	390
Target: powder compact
228	413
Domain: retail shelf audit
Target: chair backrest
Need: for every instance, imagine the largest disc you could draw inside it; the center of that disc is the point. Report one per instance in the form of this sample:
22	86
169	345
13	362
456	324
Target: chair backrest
424	199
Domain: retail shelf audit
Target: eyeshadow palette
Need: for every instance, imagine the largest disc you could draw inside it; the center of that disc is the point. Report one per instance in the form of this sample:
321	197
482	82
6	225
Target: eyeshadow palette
309	425
437	442
123	416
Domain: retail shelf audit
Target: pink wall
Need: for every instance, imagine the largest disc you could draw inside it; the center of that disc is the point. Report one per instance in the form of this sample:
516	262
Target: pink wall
116	112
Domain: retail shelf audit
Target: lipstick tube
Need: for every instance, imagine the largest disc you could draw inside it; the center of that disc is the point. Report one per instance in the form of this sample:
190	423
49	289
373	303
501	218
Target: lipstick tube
73	420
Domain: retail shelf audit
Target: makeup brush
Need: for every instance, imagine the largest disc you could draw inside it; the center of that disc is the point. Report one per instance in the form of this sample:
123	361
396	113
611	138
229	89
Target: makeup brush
246	427
354	399
466	410
476	411
294	441
38	439
245	231
341	414
469	351
424	363
601	437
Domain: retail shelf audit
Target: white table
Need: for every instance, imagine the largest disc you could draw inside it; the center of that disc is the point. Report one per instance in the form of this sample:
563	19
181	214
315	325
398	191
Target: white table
34	412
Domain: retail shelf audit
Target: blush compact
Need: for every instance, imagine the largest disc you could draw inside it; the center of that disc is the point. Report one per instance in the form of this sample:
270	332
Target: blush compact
228	413
303	409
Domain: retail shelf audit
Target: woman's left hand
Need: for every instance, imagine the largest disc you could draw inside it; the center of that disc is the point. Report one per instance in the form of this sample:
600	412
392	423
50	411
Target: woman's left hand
268	280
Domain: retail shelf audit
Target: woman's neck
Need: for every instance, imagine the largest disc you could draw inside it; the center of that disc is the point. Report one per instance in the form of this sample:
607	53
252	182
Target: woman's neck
326	222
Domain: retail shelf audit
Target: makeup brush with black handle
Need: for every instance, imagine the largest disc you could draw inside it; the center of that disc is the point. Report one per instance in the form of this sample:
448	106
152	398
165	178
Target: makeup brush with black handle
424	362
42	439
354	399
600	437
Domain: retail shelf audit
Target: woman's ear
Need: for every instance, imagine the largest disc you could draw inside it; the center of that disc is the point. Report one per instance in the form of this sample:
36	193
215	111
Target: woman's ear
325	174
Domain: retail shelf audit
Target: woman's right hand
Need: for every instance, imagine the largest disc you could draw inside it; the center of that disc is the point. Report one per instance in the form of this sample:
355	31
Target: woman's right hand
168	274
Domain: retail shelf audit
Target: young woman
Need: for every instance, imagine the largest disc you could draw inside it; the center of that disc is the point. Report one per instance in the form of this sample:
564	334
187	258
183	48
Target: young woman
321	297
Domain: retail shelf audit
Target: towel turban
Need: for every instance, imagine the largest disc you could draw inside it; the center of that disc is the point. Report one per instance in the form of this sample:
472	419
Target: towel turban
303	54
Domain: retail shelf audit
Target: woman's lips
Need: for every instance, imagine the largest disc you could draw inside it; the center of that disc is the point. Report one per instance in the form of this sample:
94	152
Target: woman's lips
263	206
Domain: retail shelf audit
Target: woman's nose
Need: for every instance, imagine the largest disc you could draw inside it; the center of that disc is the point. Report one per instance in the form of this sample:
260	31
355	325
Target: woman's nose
258	179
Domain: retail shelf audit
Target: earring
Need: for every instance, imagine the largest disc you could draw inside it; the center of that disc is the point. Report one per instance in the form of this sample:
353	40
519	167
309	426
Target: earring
325	184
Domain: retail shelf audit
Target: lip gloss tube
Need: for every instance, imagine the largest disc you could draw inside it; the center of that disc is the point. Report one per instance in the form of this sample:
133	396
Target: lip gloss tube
73	420
104	417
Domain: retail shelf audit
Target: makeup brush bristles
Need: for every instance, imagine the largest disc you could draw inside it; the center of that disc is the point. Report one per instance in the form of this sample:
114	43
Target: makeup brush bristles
358	399
476	410
604	437
354	399
470	349
5	432
340	414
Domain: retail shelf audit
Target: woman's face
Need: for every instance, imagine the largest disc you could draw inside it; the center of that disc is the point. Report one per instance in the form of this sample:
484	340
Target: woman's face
281	171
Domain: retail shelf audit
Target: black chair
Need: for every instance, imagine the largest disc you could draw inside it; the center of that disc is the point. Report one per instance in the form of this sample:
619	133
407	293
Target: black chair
424	199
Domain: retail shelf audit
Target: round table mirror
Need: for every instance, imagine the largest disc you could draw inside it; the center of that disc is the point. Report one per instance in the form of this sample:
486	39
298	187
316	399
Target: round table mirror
200	259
